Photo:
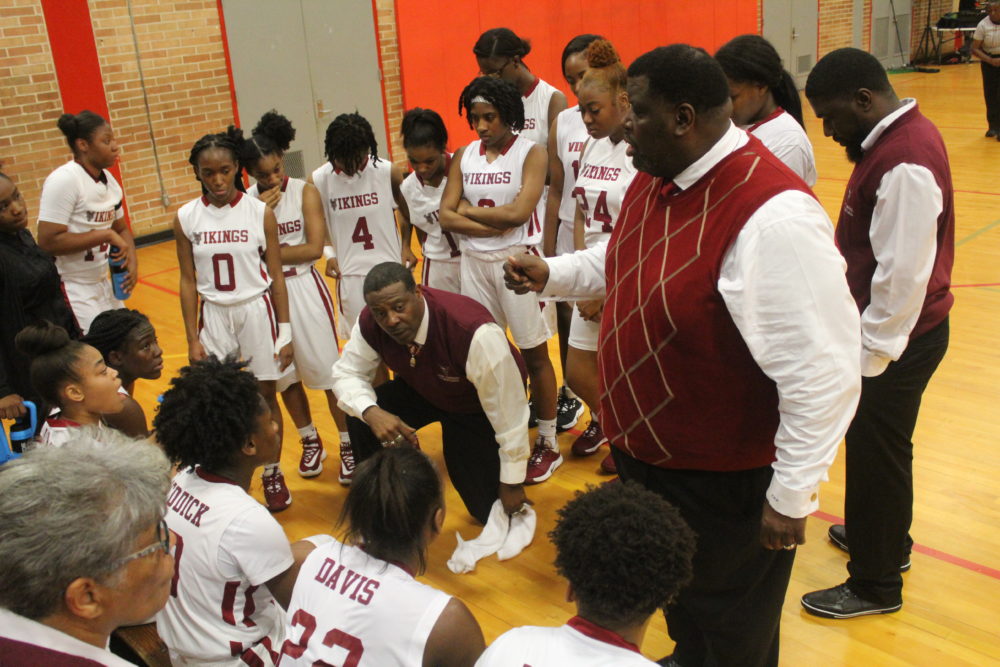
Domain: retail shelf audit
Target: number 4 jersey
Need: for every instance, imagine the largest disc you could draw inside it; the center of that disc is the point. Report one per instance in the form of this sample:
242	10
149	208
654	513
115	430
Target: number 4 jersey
360	215
228	248
349	608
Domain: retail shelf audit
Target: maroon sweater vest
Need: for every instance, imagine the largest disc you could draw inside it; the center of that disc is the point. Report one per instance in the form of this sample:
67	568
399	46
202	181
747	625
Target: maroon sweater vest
679	388
439	373
911	139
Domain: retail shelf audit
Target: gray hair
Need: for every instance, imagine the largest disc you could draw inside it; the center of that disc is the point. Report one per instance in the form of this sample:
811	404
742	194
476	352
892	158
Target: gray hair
72	512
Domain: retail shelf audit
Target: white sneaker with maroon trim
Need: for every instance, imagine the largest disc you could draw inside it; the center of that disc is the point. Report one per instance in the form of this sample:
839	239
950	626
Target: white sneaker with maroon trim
313	456
545	458
346	463
276	493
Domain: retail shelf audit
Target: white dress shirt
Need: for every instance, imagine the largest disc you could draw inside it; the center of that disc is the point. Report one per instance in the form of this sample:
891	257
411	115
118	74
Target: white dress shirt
784	286
20	629
903	235
490	367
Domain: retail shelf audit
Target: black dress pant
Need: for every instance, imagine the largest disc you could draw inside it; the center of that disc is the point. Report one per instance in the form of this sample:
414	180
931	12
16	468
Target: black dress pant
991	94
730	613
878	504
470	446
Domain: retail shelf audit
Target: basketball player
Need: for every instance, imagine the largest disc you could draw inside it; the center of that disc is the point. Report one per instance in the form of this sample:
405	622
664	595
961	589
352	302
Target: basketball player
425	139
81	220
503	173
298	210
360	193
619	533
566	138
227	248
357	602
606	171
766	101
127	341
232	560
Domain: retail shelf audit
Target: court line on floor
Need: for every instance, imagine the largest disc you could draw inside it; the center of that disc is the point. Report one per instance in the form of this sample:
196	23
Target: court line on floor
928	551
982	230
156	273
964	192
979	285
142	281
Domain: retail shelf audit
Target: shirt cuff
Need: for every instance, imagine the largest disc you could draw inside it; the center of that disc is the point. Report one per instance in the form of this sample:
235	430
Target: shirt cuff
513	472
561	277
792	502
872	363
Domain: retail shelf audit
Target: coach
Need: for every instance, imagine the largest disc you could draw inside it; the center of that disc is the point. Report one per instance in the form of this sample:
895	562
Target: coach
452	364
728	352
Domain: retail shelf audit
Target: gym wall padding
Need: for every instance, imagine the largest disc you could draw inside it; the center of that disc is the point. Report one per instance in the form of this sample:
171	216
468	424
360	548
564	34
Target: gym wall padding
436	38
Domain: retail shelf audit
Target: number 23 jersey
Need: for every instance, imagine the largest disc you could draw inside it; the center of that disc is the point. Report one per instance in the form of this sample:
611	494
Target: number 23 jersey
360	216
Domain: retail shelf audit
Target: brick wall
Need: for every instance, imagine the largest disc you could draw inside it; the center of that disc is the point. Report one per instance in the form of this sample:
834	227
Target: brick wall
836	25
391	75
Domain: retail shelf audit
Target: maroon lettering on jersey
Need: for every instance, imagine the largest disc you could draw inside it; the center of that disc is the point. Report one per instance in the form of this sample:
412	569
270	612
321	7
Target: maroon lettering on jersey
355	586
101	216
369	591
576	146
354	201
599	173
216	236
529	123
487	178
432	217
186	506
289	227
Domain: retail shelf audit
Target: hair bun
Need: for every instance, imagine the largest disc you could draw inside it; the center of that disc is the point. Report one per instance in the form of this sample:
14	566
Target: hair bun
600	53
67	124
277	129
37	340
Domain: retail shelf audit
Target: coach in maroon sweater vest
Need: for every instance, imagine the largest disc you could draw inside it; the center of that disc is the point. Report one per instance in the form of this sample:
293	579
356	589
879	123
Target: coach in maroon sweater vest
897	232
728	351
451	364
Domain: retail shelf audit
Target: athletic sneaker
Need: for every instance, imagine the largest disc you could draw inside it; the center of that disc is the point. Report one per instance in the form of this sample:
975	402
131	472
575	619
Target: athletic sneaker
313	456
543	462
568	412
346	463
276	493
590	440
532	414
608	465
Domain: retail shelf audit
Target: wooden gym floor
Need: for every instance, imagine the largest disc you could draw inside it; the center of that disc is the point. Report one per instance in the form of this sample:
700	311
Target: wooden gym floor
951	613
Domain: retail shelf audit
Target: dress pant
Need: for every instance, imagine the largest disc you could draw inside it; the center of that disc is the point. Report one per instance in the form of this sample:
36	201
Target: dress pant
991	94
730	613
878	505
471	453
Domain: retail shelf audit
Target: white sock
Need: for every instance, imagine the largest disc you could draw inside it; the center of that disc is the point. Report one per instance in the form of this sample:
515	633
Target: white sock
270	469
308	431
345	438
567	392
547	428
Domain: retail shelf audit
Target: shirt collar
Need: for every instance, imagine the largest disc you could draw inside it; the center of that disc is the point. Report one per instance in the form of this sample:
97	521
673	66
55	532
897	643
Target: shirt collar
421	337
21	629
594	631
733	139
883	125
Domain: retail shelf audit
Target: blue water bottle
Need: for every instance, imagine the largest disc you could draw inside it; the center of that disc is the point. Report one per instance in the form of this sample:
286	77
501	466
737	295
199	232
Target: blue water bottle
21	431
118	275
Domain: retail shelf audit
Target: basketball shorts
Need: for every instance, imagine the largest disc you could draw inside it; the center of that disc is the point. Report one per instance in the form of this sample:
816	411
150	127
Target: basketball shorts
247	329
583	333
443	274
314	334
564	238
88	300
351	301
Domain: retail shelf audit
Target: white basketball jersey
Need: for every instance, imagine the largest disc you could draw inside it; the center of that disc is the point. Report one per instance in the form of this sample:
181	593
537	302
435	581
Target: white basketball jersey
360	215
783	136
424	202
571	135
605	174
495	184
558	647
228	245
227	547
536	112
349	608
291	224
72	197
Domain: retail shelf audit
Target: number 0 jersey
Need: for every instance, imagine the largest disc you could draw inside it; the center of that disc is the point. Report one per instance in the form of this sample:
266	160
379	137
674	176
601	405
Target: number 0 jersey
606	171
291	224
228	248
360	215
349	608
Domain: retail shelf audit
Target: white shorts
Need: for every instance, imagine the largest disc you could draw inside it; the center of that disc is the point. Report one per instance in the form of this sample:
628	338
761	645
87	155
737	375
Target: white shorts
247	329
443	274
548	306
88	300
583	333
482	280
314	334
564	238
351	301
267	651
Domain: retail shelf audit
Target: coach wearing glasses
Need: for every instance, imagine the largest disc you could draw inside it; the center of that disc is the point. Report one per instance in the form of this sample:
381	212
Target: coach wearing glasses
83	549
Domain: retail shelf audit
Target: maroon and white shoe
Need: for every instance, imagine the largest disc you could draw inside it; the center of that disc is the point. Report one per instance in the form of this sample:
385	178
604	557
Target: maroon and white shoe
346	463
543	461
313	456
590	440
608	465
276	493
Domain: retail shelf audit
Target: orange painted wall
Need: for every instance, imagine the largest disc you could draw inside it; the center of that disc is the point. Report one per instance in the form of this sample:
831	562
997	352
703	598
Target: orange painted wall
436	38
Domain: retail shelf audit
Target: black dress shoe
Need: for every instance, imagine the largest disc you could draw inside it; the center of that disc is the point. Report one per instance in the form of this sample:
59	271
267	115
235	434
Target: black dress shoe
668	661
991	132
838	536
841	602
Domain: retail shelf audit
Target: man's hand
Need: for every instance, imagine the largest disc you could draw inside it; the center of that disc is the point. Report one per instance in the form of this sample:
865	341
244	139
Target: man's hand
778	531
409	260
513	498
271	196
390	430
591	310
525	273
12	406
333	268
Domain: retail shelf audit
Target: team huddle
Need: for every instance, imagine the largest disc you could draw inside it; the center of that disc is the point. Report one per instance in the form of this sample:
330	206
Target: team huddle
521	239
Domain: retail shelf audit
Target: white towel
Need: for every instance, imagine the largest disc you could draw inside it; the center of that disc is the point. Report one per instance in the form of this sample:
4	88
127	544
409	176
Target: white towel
503	535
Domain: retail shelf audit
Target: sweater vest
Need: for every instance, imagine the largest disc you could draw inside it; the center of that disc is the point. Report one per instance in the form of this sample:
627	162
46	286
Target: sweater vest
438	373
911	139
679	387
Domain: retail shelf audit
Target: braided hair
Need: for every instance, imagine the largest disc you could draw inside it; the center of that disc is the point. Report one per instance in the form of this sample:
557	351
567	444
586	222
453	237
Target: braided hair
230	140
272	136
346	137
109	330
502	42
503	95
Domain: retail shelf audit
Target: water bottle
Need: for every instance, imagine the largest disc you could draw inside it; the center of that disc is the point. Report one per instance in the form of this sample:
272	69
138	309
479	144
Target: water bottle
21	433
118	274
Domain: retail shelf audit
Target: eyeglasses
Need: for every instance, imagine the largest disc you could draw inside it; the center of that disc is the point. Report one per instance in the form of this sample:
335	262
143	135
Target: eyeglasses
162	542
497	72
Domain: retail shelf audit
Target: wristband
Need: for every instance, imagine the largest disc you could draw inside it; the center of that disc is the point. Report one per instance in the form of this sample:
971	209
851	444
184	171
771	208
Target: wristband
284	336
329	252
